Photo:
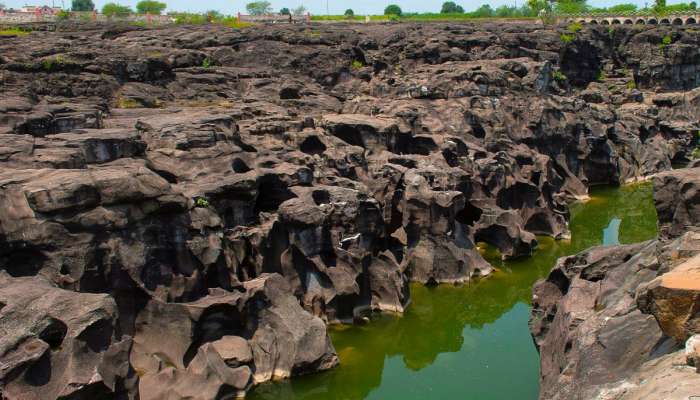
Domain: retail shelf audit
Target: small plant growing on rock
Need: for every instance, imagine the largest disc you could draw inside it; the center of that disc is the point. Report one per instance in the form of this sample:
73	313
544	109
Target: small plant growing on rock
49	64
601	76
201	202
631	85
567	37
574	27
695	154
559	76
206	63
357	64
665	42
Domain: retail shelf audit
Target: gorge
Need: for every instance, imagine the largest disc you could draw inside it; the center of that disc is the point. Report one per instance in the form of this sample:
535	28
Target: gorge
187	211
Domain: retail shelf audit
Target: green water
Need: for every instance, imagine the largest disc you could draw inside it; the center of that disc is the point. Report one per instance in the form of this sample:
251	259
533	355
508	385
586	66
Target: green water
471	341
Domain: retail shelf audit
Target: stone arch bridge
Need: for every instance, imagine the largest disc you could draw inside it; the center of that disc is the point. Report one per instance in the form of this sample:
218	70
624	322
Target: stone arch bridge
670	19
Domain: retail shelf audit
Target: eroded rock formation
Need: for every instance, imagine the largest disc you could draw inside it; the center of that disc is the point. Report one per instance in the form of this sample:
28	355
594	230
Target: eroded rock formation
219	194
613	322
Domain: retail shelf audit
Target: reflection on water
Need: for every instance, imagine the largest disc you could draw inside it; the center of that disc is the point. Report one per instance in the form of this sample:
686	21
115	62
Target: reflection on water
611	234
471	341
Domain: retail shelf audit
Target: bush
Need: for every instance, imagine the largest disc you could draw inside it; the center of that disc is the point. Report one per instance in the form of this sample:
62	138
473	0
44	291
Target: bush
559	76
349	13
450	7
82	5
115	10
665	41
574	27
63	15
201	202
484	11
285	11
393	9
150	7
259	7
567	37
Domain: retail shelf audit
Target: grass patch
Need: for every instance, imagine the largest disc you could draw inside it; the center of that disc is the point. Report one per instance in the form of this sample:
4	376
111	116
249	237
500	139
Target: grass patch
13	32
123	102
665	42
357	64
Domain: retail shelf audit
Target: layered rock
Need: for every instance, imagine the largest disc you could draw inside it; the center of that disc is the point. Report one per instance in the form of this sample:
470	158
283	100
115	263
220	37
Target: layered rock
609	322
235	205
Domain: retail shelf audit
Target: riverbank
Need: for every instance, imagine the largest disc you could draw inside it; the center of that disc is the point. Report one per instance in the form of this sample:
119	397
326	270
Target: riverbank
464	341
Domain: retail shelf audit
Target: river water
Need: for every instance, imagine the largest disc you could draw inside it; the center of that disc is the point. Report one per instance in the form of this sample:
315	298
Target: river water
470	341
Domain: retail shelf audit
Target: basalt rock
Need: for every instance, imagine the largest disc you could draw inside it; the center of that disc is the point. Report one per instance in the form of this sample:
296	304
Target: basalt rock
169	169
610	321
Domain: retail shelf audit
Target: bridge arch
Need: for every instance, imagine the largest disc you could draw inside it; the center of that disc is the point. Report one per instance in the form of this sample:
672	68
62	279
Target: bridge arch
594	22
665	21
691	21
616	22
628	22
605	22
641	21
652	21
677	21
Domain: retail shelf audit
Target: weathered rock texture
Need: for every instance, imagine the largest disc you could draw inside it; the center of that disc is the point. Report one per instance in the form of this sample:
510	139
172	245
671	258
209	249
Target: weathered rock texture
226	192
611	322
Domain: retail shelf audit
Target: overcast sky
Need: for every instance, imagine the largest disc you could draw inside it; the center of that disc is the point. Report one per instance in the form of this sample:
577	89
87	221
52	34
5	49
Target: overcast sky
314	6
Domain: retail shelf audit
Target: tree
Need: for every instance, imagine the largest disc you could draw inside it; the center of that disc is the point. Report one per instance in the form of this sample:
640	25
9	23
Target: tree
285	11
301	10
2	6
622	8
115	10
483	11
349	12
571	6
659	6
82	5
150	7
393	9
259	7
450	7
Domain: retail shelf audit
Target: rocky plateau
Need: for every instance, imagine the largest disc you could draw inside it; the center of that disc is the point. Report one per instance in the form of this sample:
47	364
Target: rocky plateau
184	209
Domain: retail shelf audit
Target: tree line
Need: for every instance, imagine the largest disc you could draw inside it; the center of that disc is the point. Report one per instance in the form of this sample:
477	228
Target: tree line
117	10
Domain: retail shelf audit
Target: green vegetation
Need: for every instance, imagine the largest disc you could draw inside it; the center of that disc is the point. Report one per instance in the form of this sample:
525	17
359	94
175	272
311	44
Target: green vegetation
559	76
63	15
209	18
150	7
206	63
393	9
601	76
695	154
567	37
285	11
450	7
349	13
581	6
82	5
574	27
201	202
665	42
52	63
259	7
357	64
112	10
13	32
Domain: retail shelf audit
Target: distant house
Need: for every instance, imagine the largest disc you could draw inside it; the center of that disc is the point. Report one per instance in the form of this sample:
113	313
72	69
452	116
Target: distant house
41	10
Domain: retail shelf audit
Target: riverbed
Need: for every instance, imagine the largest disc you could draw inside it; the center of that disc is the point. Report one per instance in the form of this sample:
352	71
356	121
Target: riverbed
469	341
